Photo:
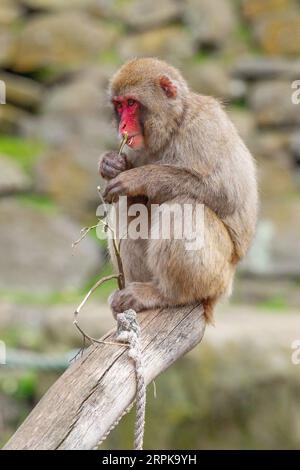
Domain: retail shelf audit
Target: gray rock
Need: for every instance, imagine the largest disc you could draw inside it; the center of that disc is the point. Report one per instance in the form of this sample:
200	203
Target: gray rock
78	165
10	117
171	43
276	180
141	14
76	110
211	77
274	294
150	13
262	68
272	146
50	5
64	39
211	21
12	178
36	253
238	89
53	324
276	250
10	10
84	93
256	10
295	145
7	43
85	130
32	315
244	122
208	78
96	319
22	91
280	34
272	103
76	123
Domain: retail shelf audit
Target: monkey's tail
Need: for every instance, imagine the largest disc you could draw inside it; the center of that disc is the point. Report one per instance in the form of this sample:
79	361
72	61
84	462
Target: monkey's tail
208	307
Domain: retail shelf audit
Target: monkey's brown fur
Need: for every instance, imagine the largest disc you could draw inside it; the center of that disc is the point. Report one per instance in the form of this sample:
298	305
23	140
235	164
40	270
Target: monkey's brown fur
192	153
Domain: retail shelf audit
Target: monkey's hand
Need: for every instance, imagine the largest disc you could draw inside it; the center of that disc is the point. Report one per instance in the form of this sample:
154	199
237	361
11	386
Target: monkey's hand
129	183
111	164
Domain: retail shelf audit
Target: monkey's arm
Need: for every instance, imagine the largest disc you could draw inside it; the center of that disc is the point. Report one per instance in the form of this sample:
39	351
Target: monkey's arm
161	183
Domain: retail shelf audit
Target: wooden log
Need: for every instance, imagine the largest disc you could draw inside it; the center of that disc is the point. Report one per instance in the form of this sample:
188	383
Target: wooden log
94	392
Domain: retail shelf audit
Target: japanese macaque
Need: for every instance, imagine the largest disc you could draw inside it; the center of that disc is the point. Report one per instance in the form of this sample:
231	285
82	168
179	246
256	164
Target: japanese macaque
184	149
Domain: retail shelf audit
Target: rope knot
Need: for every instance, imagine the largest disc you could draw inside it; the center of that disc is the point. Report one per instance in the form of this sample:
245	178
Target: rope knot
127	322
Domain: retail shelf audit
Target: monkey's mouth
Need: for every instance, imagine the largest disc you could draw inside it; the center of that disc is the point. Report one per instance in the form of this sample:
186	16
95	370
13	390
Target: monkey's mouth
135	141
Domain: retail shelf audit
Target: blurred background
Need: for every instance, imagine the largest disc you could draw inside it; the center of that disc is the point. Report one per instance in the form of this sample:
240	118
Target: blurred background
239	388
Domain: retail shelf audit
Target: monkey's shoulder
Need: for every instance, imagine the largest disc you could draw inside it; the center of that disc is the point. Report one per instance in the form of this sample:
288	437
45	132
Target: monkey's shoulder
205	103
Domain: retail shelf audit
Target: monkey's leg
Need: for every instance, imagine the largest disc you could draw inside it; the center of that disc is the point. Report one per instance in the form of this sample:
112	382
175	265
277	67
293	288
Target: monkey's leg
201	275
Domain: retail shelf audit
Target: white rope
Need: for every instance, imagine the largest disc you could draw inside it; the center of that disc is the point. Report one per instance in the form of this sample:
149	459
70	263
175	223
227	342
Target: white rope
129	332
115	424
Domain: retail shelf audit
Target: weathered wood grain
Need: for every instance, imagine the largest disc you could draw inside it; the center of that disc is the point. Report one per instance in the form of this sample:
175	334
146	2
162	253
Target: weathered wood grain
93	392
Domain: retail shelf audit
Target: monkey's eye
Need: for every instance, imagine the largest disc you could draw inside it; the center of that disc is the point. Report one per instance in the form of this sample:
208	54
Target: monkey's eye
130	102
118	105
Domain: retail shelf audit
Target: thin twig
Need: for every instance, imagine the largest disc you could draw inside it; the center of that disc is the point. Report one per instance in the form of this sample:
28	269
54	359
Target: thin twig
93	288
120	276
85	336
97	341
123	142
84	232
116	246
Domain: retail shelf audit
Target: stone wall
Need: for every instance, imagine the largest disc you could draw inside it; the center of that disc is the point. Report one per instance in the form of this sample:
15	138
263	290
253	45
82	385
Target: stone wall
55	59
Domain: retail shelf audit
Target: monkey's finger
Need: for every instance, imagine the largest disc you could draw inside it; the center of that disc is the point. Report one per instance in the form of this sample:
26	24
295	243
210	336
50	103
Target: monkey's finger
122	160
108	171
115	163
111	185
113	191
112	196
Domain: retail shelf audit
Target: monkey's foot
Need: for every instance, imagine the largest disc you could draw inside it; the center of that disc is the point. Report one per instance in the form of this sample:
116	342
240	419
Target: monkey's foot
137	295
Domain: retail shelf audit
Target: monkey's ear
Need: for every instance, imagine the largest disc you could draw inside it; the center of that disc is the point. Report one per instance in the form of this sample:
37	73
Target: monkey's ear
168	86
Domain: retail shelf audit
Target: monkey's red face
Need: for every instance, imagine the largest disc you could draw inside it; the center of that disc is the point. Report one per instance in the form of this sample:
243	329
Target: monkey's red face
128	111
